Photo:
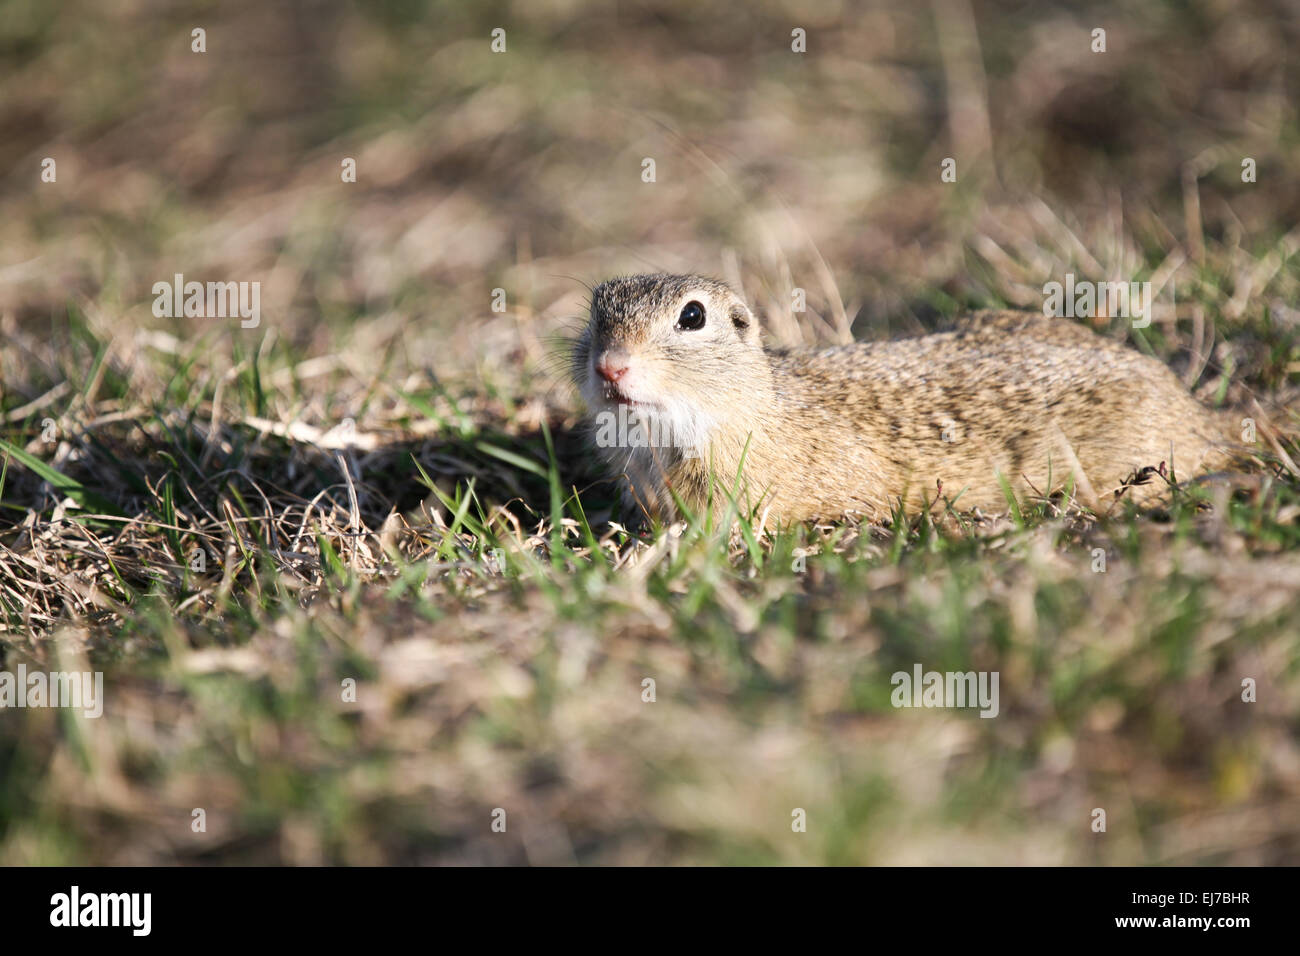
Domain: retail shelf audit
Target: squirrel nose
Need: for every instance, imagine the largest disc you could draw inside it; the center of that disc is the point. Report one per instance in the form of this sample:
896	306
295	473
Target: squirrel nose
612	364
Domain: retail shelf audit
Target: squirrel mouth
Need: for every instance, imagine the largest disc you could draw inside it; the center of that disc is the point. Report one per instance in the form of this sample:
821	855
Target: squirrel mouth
616	395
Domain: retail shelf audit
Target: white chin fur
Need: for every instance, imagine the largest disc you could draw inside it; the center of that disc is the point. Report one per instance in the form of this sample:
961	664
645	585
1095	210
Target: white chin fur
670	423
678	425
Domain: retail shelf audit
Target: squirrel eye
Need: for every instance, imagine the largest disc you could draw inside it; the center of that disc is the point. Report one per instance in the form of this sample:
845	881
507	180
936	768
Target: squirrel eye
692	317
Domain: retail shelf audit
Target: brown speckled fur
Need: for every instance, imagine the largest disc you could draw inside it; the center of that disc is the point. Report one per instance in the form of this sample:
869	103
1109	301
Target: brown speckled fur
854	429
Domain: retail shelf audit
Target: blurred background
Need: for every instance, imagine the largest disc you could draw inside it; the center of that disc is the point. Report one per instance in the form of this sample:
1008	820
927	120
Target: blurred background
522	171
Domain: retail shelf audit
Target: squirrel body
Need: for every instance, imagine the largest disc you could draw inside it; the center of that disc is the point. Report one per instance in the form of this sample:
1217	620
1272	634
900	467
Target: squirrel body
1005	398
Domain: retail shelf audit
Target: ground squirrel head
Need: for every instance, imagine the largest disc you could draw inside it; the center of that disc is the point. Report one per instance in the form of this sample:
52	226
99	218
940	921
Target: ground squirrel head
683	352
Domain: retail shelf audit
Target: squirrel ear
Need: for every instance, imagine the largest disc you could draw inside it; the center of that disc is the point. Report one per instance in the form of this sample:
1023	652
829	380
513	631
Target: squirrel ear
743	321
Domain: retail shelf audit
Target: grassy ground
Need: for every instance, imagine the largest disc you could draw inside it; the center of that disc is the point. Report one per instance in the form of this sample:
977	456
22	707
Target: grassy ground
388	483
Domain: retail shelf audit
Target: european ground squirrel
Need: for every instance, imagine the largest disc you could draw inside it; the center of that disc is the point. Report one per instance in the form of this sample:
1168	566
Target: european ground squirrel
681	389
